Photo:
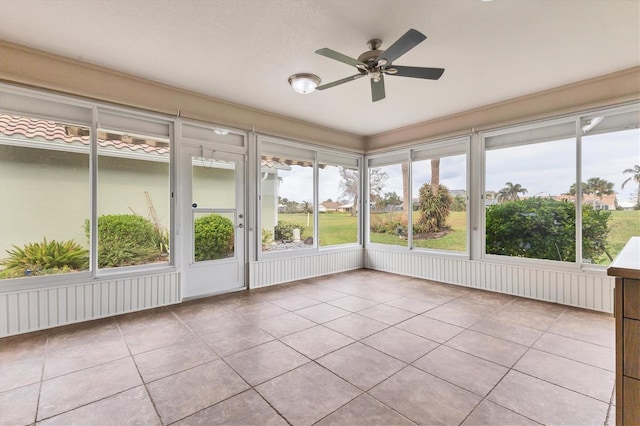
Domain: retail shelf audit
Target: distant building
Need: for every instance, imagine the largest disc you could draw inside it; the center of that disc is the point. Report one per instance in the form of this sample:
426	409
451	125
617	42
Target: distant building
605	202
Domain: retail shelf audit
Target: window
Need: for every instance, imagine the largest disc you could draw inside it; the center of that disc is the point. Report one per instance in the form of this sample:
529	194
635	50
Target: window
286	197
439	197
47	223
527	174
45	193
133	199
610	184
339	198
302	188
389	203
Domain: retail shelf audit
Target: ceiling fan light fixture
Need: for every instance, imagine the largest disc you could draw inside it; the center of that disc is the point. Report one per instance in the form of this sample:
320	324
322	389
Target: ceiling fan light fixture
304	83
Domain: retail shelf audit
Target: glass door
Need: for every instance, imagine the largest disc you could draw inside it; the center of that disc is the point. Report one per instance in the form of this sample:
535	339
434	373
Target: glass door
212	221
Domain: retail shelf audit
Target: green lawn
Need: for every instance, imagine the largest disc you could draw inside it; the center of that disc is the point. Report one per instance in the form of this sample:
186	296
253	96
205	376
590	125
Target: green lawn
335	228
341	228
624	225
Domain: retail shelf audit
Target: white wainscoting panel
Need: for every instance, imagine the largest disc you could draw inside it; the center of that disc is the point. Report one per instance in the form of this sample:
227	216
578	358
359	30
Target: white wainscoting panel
589	290
36	309
275	271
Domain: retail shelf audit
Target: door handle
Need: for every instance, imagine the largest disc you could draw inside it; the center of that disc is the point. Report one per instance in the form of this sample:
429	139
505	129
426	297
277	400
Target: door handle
194	205
240	225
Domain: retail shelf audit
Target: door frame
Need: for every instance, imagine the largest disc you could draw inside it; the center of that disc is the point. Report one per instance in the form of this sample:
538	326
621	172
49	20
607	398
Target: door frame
184	213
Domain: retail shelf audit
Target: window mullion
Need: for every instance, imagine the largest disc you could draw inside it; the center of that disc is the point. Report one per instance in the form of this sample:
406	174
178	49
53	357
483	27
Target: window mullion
93	171
578	259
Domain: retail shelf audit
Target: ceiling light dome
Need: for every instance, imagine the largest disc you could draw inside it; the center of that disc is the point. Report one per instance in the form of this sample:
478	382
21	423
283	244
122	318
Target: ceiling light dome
304	83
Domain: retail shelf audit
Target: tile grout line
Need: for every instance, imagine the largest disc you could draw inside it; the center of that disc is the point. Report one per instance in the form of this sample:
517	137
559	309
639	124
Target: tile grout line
502	378
153	404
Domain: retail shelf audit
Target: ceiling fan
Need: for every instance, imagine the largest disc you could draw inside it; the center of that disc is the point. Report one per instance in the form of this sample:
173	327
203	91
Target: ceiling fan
376	63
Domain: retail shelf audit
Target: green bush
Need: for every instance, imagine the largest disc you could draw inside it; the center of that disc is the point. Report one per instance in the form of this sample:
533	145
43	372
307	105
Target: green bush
125	239
284	230
544	229
267	237
44	258
213	237
388	223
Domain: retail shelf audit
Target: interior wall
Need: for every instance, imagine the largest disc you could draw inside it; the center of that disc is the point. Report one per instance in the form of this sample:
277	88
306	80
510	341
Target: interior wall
32	67
604	91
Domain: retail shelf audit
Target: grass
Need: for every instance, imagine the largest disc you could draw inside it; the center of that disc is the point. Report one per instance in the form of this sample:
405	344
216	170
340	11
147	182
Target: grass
335	228
624	225
341	228
456	240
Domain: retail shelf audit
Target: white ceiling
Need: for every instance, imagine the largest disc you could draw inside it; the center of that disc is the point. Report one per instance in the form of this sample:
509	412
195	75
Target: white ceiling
243	51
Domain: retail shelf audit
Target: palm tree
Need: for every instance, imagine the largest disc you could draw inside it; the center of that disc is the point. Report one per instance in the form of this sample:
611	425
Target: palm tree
635	177
510	192
405	190
599	187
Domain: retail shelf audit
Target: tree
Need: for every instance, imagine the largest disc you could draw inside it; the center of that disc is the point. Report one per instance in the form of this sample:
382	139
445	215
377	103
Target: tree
349	185
435	176
405	190
391	198
459	203
510	192
573	191
599	187
377	181
635	177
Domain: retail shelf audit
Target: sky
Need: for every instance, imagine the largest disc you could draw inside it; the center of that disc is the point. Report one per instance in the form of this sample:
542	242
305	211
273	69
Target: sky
543	169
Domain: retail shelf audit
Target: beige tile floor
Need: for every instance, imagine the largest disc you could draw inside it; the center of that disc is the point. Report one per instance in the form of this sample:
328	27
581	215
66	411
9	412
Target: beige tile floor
360	347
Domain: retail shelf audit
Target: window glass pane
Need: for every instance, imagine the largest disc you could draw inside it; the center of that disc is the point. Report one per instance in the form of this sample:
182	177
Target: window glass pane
527	214
440	210
133	199
44	193
610	190
388	188
286	203
339	197
213	189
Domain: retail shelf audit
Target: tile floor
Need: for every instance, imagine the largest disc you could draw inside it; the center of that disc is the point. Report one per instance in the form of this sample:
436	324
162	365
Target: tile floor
361	347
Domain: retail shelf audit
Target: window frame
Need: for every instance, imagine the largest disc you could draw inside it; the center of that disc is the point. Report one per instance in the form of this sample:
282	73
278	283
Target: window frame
317	151
77	111
408	153
576	120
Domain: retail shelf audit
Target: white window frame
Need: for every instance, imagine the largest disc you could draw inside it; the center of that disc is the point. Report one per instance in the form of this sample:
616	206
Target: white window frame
577	265
76	111
318	151
408	154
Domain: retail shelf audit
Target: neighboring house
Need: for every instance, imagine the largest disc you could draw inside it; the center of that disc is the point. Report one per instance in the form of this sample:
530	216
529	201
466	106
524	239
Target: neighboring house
330	206
627	205
346	208
606	202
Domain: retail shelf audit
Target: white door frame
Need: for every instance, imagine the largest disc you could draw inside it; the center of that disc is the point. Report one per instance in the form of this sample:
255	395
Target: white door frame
204	278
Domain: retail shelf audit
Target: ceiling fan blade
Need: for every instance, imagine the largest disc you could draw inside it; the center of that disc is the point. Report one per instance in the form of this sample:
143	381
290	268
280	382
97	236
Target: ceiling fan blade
377	89
408	41
418	72
341	81
339	57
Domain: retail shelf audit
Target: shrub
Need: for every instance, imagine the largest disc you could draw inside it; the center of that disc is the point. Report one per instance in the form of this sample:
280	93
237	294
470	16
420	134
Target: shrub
284	230
213	237
544	229
43	258
267	238
434	209
388	223
125	239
